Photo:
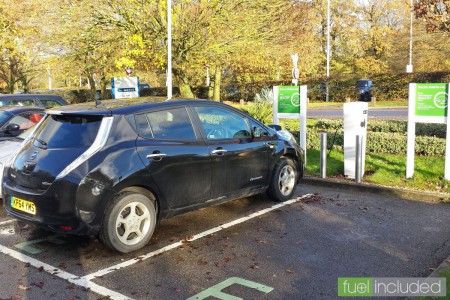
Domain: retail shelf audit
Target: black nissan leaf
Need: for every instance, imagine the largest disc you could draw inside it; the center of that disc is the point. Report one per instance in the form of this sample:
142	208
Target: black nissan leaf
115	170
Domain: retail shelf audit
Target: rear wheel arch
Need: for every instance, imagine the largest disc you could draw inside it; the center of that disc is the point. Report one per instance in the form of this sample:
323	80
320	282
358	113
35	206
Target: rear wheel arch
129	221
142	190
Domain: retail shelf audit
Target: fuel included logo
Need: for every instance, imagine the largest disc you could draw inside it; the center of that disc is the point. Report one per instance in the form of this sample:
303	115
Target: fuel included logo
391	287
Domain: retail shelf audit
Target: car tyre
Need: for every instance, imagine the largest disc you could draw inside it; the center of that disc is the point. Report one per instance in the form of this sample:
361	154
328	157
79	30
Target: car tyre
129	222
284	180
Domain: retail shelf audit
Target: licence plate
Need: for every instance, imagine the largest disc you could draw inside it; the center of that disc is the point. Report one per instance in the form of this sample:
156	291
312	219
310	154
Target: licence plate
23	205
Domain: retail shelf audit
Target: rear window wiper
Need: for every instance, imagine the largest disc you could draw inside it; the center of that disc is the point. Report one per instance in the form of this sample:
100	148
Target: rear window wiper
43	143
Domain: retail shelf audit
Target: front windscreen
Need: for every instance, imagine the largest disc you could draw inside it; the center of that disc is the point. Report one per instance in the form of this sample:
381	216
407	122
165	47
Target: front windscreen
63	131
4	116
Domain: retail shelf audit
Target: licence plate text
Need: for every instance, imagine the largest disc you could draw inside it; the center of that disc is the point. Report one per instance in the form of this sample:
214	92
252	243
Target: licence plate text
23	205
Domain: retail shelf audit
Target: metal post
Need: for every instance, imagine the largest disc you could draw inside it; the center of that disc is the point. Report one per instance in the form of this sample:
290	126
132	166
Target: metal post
328	50
358	159
169	49
323	155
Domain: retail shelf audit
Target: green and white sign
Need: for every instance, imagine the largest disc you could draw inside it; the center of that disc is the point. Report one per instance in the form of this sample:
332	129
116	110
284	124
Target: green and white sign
290	103
427	103
431	99
288	100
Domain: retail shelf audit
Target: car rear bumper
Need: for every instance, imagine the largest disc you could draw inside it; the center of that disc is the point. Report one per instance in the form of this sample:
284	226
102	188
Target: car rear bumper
55	209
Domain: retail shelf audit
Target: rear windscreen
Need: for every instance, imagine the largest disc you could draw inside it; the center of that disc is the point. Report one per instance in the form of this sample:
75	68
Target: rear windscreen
67	131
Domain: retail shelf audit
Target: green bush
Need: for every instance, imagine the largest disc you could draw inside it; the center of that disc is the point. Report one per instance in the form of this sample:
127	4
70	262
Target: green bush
382	136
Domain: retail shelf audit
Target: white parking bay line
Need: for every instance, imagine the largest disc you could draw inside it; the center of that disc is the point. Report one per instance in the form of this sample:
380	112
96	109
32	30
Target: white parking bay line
7	222
63	274
130	262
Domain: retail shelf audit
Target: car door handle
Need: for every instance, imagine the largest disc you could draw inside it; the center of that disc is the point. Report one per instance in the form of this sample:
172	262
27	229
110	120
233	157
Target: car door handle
219	151
156	156
271	145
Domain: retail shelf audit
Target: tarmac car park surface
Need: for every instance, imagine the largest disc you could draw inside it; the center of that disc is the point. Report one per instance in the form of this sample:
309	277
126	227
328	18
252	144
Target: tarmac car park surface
250	248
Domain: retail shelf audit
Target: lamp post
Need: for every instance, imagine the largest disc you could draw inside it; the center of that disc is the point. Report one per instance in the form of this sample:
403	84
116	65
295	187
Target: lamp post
328	50
409	68
295	70
169	49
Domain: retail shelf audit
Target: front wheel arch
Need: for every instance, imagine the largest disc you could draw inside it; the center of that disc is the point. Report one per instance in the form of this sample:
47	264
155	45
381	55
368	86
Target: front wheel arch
283	180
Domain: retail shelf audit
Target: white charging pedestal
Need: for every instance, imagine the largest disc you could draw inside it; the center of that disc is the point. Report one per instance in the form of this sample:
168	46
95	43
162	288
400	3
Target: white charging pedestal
355	123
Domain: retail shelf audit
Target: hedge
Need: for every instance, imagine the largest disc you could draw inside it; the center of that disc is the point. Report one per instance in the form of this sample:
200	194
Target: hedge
381	142
382	136
394	126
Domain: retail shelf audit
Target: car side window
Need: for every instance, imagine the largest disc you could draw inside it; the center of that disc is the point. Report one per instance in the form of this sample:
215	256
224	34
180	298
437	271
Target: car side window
26	120
219	123
172	124
50	103
22	103
259	131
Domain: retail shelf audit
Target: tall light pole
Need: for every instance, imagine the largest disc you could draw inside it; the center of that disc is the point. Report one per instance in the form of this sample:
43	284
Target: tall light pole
328	50
169	49
409	68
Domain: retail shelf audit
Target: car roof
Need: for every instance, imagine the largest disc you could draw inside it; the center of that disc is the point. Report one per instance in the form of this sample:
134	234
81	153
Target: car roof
19	109
30	96
123	107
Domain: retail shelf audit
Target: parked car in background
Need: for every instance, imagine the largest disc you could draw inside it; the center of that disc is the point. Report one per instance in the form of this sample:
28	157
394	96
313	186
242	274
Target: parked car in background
365	88
116	169
15	120
8	148
36	100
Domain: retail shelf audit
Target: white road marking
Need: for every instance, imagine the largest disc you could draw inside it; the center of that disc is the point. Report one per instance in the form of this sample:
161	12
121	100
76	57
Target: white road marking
63	274
7	222
86	281
7	230
195	237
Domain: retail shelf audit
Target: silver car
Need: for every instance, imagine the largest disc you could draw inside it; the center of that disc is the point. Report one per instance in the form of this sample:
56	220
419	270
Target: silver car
9	148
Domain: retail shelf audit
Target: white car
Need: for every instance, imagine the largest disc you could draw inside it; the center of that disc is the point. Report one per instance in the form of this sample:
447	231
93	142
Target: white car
8	149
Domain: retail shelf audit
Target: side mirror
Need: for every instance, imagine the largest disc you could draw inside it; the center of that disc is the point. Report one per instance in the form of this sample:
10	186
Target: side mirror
256	132
276	127
12	127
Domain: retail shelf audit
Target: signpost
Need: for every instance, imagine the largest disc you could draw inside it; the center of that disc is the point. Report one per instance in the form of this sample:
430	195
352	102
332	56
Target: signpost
290	103
428	103
125	87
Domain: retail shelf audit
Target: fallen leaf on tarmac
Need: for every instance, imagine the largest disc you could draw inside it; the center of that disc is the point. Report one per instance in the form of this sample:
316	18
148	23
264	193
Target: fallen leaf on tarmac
40	269
187	239
179	259
431	269
39	284
70	287
255	266
261	241
289	271
448	260
228	259
201	262
27	265
24	288
219	265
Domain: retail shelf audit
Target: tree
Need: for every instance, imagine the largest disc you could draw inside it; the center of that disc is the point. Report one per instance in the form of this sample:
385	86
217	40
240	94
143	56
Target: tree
17	62
436	14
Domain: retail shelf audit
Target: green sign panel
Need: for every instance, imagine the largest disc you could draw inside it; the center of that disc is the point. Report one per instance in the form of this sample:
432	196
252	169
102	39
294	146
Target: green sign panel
431	99
289	100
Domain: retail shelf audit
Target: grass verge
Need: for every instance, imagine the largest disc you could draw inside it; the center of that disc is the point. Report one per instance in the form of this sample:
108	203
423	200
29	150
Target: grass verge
387	170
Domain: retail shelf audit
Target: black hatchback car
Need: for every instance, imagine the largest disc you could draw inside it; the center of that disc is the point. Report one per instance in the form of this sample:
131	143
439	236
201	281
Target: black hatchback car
115	171
36	100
